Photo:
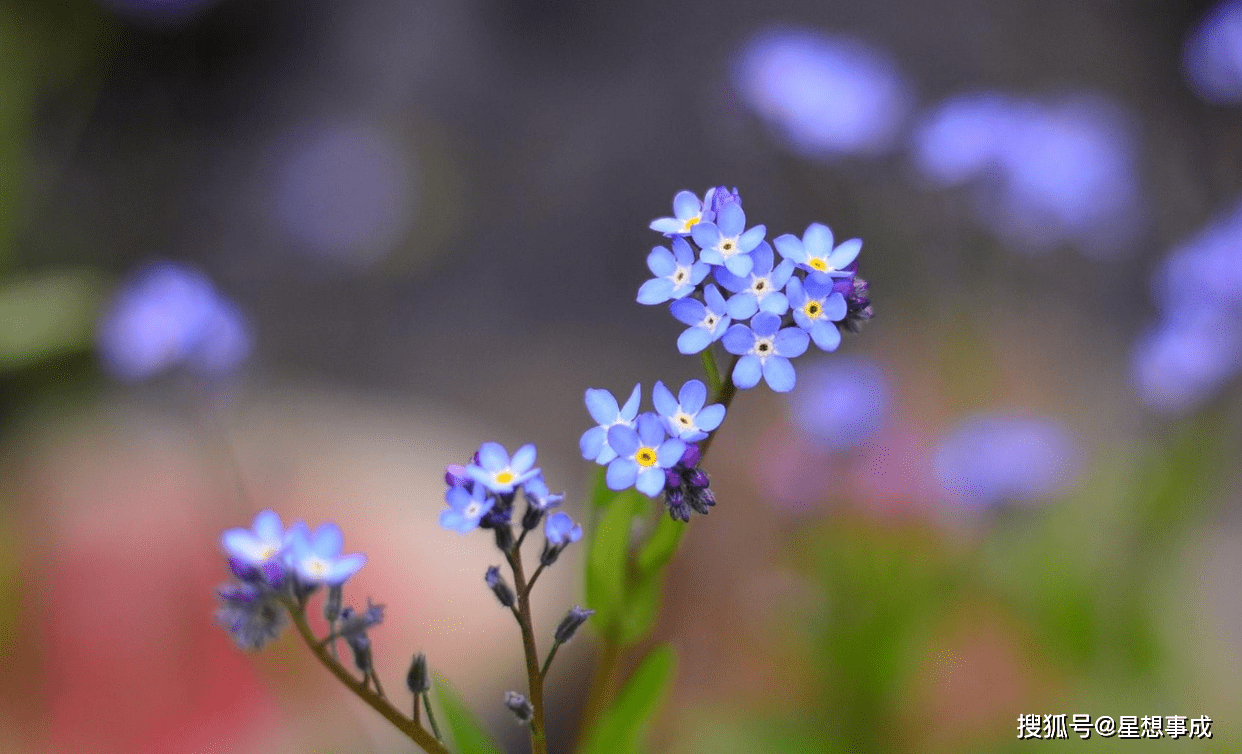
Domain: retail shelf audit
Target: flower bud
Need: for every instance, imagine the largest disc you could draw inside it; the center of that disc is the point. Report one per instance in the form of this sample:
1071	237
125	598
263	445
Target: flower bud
418	679
498	586
332	605
570	624
520	706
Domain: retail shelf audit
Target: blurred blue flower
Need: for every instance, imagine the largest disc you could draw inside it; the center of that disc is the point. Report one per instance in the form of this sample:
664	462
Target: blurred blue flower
685	416
1213	55
538	496
499	473
762	289
817	307
1054	172
561	530
343	191
1209	264
676	273
167	315
604	409
467	506
316	556
708	320
989	459
826	95
261	543
642	455
251	613
814	251
765	349
727	241
842	401
688	211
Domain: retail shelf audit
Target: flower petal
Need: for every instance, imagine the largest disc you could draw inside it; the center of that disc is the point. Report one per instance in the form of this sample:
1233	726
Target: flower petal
845	253
268	528
817	240
731	220
592	442
835	307
753	239
623	439
651	430
493	456
710	417
523	459
661	262
731	282
650	482
667	225
327	540
343	568
706	235
655	291
775	303
663	399
688	311
826	335
714	300
742	306
602	405
621	473
739	264
692	396
630	409
790	247
693	340
779	373
683	254
738	340
747	372
765	324
244	545
669	452
791	342
686	205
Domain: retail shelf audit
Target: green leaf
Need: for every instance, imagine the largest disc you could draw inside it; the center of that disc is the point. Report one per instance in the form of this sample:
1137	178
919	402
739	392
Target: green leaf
607	556
642	603
467	734
661	546
47	316
620	728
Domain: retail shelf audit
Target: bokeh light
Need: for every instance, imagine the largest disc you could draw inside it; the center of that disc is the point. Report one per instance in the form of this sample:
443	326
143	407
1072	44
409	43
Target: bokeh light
988	459
1213	55
840	401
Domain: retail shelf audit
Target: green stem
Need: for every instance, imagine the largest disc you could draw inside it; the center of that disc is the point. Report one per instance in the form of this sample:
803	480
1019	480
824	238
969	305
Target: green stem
409	727
708	357
548	662
538	741
431	717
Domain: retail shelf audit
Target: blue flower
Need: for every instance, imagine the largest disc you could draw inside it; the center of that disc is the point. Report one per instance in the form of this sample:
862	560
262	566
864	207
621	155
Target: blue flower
685	416
1213	54
765	350
604	409
264	542
990	459
317	556
815	252
817	307
708	322
688	211
726	241
466	507
676	273
642	455
561	530
841	403
538	496
497	472
761	290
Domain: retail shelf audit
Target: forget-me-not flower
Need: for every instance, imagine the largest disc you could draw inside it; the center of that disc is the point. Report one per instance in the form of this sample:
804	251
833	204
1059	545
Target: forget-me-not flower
561	530
814	251
258	545
761	290
817	307
676	273
688	211
685	416
251	613
727	241
708	320
497	472
539	496
466	507
604	410
765	349
316	556
642	455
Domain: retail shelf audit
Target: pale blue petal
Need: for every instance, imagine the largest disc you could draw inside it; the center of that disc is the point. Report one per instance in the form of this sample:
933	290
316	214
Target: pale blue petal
826	335
731	282
479	475
605	456
670	452
790	247
650	482
682	253
667	225
244	545
765	324
692	396
523	459
742	306
791	342
731	220
775	303
602	405
800	318
740	264
817	241
714	300
661	262
268	528
693	340
738	340
845	253
779	373
630	409
340	571
663	399
688	310
650	430
818	285
721	327
753	238
747	372
458	498
493	456
623	440
706	235
656	291
455	521
698	271
710	417
621	473
763	260
327	541
780	276
797	296
835	307
686	205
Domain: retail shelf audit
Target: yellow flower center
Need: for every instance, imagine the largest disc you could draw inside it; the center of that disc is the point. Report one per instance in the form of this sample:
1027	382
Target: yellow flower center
504	477
818	264
812	309
646	456
317	567
689	223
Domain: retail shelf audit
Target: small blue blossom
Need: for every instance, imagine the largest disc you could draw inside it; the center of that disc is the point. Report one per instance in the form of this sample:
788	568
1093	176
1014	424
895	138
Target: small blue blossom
466	507
817	307
561	530
316	556
264	542
761	290
727	241
765	349
642	455
604	410
251	613
688	211
538	495
676	273
814	251
708	320
497	472
685	416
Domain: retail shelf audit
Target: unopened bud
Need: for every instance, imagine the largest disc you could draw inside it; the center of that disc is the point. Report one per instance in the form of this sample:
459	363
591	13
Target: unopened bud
498	586
520	706
362	651
504	538
332	605
418	680
570	624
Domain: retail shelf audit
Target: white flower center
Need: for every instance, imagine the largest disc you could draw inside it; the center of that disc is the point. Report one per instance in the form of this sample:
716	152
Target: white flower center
709	322
761	286
268	552
763	348
683	420
680	275
727	247
317	567
472	510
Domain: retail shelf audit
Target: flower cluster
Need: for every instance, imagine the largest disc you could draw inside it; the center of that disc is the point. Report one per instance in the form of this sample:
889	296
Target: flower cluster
763	311
652	451
276	567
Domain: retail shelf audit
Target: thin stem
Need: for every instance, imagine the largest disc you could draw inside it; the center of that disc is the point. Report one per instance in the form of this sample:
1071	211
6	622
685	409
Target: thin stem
431	716
724	397
708	357
538	741
409	727
418	717
543	673
533	578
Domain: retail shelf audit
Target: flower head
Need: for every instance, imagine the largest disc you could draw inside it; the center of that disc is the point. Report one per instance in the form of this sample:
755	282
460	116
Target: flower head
719	197
761	289
765	349
686	487
642	455
685	416
355	622
251	613
676	273
499	473
259	545
708	320
604	410
316	556
727	241
538	496
817	307
466	507
688	211
814	251
561	530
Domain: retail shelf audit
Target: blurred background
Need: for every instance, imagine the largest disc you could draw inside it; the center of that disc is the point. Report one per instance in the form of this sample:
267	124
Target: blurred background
301	255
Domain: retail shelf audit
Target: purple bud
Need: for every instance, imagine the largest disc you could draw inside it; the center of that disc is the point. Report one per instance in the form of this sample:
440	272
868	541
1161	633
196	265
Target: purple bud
722	197
520	706
455	475
243	570
570	624
499	587
274	574
697	478
691	457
